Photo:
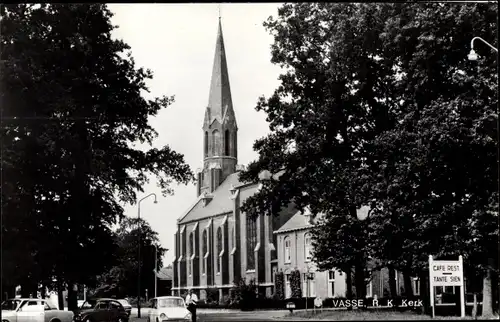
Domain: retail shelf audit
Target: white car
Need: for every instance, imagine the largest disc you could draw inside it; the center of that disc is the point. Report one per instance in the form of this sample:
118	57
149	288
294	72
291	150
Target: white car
168	308
33	310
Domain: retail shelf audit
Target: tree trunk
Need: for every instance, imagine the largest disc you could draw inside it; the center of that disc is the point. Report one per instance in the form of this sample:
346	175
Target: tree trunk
60	297
9	292
487	312
359	277
392	282
72	297
349	286
42	291
424	292
408	284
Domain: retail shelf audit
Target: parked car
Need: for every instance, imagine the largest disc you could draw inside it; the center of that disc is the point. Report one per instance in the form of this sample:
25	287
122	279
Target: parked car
168	308
101	310
33	310
126	306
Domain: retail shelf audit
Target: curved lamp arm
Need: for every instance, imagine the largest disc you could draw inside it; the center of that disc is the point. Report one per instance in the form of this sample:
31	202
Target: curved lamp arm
487	43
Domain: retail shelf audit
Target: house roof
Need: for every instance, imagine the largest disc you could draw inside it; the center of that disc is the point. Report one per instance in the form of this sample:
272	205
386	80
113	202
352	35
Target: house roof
299	222
166	273
221	202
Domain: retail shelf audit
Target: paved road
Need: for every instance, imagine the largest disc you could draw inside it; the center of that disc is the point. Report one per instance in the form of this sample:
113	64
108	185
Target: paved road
205	315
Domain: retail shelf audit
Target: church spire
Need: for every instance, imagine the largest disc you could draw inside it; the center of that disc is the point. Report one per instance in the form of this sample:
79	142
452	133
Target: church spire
219	128
220	105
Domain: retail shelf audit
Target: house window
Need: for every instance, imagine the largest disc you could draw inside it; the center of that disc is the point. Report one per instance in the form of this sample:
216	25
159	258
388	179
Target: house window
307	247
205	252
206	143
416	286
288	255
219	248
449	289
308	285
288	289
251	241
331	283
369	287
227	139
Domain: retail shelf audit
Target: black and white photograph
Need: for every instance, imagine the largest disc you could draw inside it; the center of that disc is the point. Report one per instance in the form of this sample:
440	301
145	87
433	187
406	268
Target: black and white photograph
317	161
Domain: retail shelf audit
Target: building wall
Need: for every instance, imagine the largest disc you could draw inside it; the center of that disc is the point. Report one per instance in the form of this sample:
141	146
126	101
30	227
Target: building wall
319	287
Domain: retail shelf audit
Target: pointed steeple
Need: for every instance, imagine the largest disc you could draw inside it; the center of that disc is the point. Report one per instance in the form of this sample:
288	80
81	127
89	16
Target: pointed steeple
220	104
220	132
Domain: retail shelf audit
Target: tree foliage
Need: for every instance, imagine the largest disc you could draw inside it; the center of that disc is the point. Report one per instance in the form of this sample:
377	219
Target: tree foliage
121	279
378	106
72	109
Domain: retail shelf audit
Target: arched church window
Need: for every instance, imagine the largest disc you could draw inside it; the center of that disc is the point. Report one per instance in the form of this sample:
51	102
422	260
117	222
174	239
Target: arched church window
205	143
191	252
219	248
227	140
251	241
191	244
235	145
205	250
215	142
233	237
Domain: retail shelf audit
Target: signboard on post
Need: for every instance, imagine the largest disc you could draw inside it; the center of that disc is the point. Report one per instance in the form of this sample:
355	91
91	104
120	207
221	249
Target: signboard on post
446	273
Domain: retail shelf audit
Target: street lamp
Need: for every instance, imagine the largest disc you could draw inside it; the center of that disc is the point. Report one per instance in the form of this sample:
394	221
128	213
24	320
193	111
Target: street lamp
472	54
139	252
363	213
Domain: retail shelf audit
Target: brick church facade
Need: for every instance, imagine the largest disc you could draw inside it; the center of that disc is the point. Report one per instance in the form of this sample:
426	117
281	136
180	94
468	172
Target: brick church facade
216	243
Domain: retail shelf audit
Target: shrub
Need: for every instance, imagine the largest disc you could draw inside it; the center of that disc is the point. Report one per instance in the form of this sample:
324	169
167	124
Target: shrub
243	294
295	284
212	295
279	285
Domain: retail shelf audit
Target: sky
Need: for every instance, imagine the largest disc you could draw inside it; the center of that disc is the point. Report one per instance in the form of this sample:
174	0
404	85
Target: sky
177	42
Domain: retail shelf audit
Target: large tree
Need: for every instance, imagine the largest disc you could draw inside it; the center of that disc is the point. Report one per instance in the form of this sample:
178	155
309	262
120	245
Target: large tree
376	106
121	279
73	108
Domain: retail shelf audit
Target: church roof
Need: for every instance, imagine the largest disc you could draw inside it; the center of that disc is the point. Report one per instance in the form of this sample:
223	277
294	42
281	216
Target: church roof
220	104
221	202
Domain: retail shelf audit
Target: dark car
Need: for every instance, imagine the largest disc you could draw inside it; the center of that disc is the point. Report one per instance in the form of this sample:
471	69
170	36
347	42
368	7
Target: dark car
126	305
101	310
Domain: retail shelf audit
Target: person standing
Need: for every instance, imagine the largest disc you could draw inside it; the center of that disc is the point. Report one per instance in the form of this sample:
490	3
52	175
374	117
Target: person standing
191	301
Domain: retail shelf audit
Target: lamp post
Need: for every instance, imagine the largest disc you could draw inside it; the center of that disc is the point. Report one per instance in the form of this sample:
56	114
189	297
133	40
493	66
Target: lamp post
139	252
362	214
472	54
156	270
473	57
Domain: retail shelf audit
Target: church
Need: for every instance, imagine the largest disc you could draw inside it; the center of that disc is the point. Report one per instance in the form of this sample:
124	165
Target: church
215	243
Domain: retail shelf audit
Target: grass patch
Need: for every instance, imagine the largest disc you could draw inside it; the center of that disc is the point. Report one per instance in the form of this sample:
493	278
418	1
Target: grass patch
367	315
